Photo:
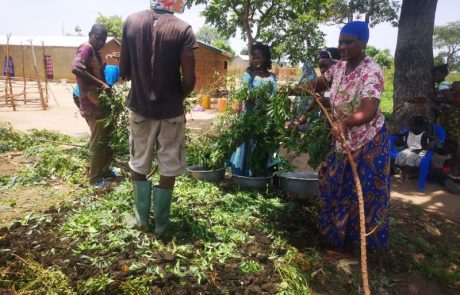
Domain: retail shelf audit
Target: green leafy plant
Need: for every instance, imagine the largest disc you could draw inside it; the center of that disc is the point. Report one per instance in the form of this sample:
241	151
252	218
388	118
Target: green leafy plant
262	123
206	152
316	141
32	277
95	285
118	118
251	266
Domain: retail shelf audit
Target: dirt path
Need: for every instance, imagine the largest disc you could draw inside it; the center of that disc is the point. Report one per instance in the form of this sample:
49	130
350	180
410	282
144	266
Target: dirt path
66	119
435	198
62	116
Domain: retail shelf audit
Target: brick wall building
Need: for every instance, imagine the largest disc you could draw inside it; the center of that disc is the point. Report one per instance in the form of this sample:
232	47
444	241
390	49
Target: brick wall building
211	69
61	49
211	63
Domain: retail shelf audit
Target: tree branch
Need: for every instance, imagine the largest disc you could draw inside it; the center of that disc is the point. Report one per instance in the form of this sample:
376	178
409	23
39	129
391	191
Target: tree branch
371	11
246	24
263	17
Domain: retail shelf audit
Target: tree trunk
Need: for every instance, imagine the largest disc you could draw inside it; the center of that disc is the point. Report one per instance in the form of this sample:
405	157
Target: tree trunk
413	58
247	27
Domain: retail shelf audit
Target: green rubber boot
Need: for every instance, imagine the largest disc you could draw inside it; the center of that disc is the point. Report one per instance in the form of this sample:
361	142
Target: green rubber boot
142	198
161	206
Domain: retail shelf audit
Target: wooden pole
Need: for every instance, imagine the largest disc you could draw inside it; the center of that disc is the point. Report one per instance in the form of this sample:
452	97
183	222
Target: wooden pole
6	83
40	89
24	72
44	68
8	75
359	191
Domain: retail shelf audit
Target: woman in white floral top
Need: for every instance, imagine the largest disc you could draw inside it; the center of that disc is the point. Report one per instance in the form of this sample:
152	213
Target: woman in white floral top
356	85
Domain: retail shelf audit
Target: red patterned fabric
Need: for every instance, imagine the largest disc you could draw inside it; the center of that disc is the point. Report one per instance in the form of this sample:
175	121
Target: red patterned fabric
49	67
366	81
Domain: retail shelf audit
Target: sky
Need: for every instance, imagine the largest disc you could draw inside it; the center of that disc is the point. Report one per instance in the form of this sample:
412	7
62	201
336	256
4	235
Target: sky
53	17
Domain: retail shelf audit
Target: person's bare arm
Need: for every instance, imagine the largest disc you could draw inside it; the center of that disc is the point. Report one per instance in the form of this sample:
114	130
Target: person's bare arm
318	85
81	73
365	112
187	63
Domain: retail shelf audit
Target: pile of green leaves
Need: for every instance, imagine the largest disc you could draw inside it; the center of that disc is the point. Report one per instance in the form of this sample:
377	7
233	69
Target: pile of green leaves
52	155
214	147
210	227
11	140
207	152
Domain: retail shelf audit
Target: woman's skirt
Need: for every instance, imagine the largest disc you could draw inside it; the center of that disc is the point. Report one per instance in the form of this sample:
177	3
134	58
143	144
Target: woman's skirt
409	157
339	219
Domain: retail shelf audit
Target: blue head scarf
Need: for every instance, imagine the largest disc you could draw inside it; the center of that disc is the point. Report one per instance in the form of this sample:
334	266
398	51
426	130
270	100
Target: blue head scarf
359	29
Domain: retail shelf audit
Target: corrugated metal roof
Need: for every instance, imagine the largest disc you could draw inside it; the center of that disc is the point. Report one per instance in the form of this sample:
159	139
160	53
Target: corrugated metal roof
214	48
57	41
246	58
242	56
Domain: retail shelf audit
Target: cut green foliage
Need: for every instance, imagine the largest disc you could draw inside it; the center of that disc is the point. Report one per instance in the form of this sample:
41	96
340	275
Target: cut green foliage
118	119
208	152
263	123
12	140
316	141
51	155
250	266
32	277
94	285
223	240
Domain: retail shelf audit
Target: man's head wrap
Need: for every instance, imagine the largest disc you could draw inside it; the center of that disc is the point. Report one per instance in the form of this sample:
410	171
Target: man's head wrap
359	29
166	5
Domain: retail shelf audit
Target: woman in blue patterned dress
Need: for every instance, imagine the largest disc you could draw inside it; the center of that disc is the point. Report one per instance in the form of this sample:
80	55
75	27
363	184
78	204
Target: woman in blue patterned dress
356	85
256	75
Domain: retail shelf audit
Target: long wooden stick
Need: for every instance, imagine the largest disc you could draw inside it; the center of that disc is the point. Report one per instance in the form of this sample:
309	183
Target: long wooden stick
44	68
24	73
8	74
359	191
37	73
6	85
60	143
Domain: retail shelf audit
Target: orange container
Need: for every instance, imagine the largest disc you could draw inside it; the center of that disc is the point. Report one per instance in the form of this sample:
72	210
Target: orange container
221	104
206	101
235	104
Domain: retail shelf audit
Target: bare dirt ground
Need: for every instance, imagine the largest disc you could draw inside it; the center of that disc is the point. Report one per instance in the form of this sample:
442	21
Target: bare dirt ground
64	117
19	202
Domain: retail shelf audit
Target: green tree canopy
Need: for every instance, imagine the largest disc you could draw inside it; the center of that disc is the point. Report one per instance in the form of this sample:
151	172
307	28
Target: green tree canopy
371	11
211	36
447	40
208	35
225	46
113	24
290	27
382	57
78	31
